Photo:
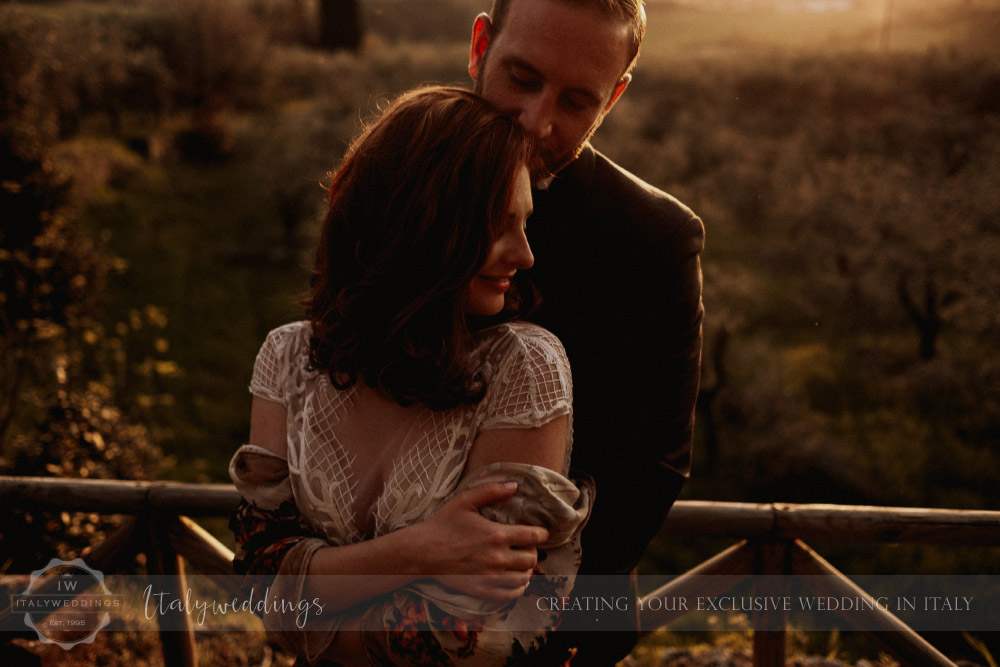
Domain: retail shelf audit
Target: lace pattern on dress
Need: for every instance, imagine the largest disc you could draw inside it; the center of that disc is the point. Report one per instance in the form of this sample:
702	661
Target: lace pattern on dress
324	467
529	385
532	383
421	475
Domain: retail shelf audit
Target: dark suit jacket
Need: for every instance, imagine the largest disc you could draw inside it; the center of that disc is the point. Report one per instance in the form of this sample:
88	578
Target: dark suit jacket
617	264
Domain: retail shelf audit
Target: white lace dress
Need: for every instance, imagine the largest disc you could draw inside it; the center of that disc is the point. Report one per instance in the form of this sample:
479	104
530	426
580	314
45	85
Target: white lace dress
360	466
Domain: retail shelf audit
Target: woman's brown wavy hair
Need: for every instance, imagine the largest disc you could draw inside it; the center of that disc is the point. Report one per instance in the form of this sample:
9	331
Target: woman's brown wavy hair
413	208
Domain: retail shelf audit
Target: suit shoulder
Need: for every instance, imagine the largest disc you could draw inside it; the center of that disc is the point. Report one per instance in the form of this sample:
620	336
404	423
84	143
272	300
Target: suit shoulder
657	216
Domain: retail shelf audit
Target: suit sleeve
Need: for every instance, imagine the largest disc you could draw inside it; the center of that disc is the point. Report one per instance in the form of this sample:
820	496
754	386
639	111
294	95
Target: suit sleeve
644	458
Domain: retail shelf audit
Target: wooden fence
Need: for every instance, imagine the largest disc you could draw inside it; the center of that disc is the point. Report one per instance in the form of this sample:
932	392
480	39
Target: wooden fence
772	541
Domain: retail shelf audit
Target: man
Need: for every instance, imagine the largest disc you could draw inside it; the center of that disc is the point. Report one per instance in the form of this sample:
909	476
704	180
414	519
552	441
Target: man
617	263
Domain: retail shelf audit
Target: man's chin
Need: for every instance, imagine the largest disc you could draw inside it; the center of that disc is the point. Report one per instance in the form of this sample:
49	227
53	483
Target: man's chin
556	163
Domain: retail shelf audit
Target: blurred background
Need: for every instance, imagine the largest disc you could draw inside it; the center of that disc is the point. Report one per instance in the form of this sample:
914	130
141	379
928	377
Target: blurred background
162	167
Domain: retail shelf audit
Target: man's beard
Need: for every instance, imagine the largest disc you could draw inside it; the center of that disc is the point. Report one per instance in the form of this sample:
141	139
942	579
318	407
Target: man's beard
555	165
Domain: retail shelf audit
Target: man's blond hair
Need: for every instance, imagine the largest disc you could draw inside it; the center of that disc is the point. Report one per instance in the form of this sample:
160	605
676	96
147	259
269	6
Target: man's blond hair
630	12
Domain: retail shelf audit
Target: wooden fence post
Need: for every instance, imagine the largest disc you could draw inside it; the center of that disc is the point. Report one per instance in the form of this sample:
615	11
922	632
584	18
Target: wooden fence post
770	563
163	562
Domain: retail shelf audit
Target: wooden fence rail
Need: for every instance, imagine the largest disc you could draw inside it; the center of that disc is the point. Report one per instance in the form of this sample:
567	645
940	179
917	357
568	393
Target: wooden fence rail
772	542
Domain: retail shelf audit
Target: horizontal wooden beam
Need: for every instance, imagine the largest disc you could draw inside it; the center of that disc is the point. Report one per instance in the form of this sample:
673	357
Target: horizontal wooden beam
854	523
118	496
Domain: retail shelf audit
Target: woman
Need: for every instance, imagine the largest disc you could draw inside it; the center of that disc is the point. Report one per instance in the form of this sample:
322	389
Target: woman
400	415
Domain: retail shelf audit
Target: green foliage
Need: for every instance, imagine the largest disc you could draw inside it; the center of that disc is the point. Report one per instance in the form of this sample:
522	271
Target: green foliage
434	21
61	395
206	245
60	66
48	274
216	49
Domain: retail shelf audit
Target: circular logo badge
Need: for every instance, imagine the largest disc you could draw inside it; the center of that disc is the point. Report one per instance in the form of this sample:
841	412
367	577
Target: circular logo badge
66	603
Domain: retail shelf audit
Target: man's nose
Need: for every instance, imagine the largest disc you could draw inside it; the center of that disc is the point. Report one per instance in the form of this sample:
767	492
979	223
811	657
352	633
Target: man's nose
536	117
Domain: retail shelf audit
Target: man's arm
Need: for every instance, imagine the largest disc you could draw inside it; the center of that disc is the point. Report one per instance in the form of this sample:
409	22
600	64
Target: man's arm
644	419
634	338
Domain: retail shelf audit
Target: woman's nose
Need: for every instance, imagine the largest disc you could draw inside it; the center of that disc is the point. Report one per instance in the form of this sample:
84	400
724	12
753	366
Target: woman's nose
519	254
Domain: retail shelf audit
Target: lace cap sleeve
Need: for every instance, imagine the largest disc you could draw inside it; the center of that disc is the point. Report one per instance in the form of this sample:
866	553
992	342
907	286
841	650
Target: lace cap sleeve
532	383
274	362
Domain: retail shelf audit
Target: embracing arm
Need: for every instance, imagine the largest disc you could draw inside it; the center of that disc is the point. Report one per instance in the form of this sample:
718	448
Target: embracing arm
456	540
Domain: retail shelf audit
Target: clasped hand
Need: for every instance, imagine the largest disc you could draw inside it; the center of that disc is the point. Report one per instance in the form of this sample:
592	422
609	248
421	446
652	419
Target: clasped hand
464	551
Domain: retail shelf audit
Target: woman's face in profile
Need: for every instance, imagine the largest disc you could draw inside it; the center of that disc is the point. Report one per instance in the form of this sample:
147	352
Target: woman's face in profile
508	253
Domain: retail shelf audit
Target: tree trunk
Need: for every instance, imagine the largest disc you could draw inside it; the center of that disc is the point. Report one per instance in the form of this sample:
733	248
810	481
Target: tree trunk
339	25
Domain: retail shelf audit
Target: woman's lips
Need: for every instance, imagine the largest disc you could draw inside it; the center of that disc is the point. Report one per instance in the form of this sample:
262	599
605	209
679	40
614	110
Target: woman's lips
500	284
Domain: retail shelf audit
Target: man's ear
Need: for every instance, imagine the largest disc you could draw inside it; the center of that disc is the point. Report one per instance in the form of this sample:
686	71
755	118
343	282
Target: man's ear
619	89
482	34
